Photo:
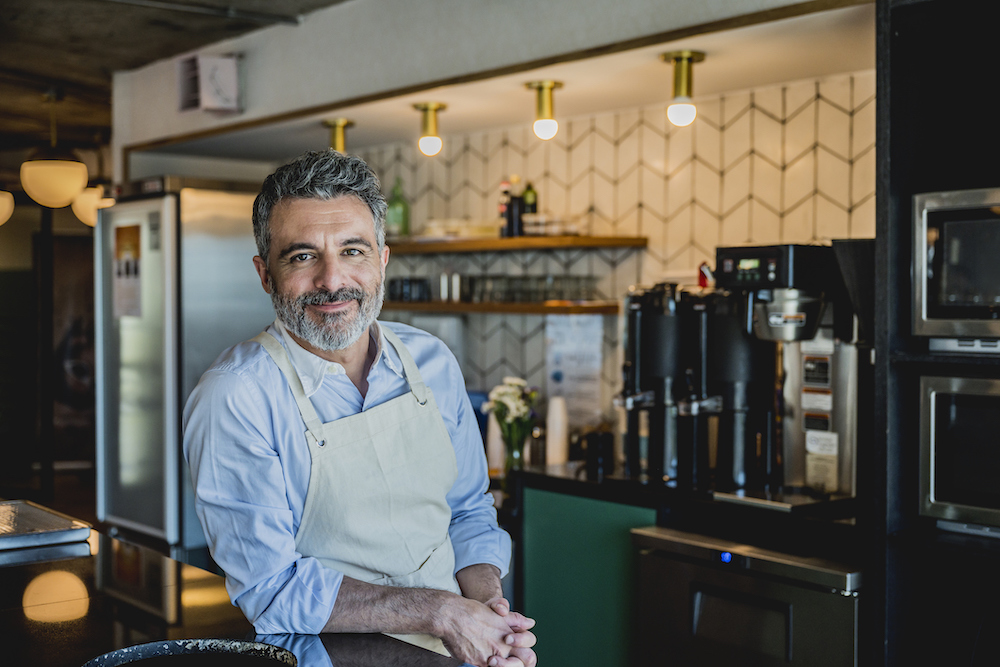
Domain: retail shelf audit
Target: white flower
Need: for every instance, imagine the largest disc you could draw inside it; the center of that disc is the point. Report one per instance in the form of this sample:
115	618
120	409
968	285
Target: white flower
514	382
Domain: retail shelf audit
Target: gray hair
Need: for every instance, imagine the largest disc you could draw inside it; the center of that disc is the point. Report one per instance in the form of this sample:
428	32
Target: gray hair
323	175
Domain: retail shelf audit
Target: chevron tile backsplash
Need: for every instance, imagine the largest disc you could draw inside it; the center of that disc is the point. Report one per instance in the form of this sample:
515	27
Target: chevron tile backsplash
792	163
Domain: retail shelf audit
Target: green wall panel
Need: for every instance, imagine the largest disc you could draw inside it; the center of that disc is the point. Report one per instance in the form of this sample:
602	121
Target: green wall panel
578	577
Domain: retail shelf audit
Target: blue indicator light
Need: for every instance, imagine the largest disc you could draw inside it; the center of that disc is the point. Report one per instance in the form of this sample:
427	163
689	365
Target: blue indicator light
726	557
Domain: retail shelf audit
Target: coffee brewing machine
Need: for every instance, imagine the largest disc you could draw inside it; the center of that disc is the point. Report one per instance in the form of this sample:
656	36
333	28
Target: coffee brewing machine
749	390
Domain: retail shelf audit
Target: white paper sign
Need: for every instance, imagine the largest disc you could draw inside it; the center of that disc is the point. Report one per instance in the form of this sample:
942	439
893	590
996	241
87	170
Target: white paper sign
573	365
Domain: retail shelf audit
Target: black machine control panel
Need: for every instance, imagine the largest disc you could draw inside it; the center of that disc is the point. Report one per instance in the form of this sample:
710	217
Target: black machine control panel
771	267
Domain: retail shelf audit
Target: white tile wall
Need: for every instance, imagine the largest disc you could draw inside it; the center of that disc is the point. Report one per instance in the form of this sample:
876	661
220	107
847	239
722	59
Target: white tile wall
791	163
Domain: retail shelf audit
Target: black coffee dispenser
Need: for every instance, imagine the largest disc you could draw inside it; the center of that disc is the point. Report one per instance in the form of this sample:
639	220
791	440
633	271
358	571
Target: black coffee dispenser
690	378
649	372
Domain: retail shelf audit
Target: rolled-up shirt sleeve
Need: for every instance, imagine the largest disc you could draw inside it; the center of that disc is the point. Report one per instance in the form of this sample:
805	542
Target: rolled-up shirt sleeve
475	535
242	503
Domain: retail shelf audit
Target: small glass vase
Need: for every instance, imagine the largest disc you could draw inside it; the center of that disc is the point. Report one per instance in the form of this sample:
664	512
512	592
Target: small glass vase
515	455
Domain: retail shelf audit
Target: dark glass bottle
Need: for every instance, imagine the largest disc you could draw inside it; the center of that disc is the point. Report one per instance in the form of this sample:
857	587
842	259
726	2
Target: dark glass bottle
530	199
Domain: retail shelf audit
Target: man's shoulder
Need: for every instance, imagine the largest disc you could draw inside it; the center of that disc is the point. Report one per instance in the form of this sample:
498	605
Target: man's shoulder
247	361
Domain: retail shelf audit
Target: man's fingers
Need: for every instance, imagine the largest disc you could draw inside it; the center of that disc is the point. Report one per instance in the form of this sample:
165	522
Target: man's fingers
499	605
523	639
518	621
519	657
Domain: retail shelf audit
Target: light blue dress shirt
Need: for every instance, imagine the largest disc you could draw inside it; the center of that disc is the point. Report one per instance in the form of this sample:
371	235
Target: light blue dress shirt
245	443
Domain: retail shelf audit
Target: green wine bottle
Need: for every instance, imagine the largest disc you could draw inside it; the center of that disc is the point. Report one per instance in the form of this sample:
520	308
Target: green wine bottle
530	199
397	216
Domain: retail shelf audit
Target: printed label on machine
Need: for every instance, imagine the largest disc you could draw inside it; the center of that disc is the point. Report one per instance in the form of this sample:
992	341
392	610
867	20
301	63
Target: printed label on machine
822	442
816	370
786	319
821	460
817	400
821	472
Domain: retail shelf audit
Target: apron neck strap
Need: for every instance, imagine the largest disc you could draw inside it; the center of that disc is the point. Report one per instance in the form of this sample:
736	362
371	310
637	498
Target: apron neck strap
280	356
413	377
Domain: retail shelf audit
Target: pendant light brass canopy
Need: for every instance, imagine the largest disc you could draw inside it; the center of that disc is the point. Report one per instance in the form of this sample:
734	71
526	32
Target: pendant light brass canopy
430	143
545	125
682	110
337	133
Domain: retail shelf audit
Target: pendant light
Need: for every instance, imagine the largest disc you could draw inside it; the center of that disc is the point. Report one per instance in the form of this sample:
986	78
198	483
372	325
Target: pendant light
6	206
682	111
87	203
545	126
51	177
337	133
430	143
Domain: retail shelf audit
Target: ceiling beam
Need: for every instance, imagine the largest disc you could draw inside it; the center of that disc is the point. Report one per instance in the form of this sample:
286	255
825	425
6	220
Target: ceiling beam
210	10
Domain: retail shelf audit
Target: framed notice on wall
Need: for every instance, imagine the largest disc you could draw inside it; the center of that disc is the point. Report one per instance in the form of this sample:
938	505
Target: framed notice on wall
573	365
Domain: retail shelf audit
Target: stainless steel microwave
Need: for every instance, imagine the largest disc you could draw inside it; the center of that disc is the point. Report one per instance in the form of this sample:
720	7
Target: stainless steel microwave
960	452
956	269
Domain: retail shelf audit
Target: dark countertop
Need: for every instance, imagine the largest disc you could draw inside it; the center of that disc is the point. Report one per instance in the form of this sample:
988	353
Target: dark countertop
62	606
571	478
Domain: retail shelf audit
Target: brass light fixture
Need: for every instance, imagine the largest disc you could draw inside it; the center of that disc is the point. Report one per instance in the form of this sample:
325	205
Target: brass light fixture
51	177
545	126
430	143
6	206
682	111
337	134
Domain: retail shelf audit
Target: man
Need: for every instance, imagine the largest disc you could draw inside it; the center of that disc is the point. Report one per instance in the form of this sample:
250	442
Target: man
337	463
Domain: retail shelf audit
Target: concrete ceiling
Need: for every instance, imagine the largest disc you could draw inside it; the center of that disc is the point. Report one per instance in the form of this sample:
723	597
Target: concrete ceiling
73	47
804	47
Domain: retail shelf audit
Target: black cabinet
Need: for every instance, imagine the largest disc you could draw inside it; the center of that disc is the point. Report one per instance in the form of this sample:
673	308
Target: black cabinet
929	595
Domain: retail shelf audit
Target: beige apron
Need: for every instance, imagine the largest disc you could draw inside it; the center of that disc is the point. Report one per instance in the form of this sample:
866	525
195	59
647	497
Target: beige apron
375	508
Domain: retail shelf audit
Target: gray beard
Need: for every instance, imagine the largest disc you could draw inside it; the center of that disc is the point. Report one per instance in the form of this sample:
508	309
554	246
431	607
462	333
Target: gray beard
336	331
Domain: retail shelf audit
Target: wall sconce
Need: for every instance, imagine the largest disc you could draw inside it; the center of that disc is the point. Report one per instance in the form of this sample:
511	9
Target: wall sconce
87	203
337	134
430	143
51	177
6	206
545	125
682	111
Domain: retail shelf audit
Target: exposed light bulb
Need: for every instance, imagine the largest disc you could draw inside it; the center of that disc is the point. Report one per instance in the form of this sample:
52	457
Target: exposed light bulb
681	111
545	128
430	146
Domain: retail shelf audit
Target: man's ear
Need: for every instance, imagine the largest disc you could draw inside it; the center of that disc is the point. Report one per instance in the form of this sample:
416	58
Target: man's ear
262	272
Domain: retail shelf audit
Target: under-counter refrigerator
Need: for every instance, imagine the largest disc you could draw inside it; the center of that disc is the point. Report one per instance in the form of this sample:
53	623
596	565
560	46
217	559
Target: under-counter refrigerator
175	286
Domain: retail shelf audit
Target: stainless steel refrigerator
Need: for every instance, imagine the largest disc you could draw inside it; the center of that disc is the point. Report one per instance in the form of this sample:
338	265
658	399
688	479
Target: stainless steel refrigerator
175	286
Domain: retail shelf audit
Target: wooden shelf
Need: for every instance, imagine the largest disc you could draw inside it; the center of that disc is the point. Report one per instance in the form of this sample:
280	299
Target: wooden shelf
413	246
540	308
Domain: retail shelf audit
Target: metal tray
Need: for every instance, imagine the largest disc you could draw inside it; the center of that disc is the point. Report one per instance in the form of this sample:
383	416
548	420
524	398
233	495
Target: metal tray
26	524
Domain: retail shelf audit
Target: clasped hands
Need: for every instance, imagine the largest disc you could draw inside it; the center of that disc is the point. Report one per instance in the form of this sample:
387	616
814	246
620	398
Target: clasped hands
491	635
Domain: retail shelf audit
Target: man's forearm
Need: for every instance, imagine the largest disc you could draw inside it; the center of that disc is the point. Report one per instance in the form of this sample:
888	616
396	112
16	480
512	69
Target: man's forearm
470	630
363	607
480	582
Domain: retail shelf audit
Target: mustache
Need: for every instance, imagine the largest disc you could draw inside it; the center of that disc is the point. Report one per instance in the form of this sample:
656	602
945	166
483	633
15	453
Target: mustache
324	297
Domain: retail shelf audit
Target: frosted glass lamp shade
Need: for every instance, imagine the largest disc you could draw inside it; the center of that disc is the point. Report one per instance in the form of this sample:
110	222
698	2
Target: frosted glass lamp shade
87	203
682	112
430	146
6	206
545	128
53	183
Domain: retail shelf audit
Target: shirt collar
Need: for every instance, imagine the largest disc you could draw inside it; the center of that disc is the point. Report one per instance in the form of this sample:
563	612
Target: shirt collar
312	368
